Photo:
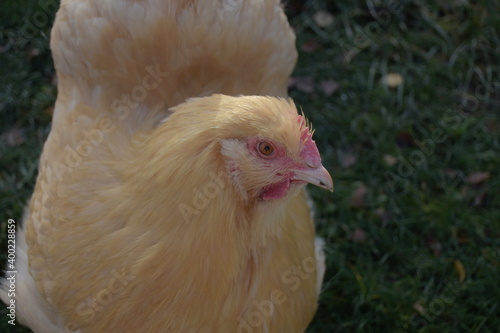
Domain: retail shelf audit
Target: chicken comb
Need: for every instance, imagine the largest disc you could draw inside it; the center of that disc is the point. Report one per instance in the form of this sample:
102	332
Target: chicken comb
306	128
310	152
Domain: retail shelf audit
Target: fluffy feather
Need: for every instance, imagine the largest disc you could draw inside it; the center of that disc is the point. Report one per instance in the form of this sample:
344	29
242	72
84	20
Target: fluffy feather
156	214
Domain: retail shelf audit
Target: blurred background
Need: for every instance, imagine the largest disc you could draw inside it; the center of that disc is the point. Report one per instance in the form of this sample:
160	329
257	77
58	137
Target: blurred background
405	99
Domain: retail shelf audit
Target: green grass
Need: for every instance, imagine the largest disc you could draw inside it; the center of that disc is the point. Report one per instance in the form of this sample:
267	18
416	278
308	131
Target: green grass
419	251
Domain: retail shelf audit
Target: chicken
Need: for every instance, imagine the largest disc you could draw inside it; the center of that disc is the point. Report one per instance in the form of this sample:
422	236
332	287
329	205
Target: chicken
170	194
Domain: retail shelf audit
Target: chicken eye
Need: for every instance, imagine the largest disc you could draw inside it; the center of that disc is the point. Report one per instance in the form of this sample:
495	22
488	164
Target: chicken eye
265	148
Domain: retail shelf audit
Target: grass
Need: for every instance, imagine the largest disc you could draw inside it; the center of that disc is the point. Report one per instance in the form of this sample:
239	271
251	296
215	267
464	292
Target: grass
413	227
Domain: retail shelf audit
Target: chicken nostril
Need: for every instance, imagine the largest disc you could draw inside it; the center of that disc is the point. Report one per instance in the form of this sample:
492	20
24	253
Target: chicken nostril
312	163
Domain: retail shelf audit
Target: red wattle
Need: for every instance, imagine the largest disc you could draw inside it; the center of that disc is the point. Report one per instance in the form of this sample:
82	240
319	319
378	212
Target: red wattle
276	191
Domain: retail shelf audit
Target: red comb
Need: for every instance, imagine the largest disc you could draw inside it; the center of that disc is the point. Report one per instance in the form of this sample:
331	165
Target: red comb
309	152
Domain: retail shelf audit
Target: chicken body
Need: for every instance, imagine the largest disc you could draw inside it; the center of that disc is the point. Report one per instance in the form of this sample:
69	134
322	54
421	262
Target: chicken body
156	214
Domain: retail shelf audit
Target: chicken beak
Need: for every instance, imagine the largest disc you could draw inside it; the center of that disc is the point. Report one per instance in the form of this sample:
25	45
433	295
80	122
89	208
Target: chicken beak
316	176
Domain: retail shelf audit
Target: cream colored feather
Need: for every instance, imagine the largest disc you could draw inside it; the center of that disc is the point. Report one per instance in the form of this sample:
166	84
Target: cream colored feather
146	215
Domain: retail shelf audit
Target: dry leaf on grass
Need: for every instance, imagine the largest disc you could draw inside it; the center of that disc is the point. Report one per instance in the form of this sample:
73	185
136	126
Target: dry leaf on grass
348	159
404	139
384	215
435	245
329	87
420	309
390	160
358	235
480	199
323	18
478	177
310	46
460	269
33	53
358	197
13	137
302	83
392	80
